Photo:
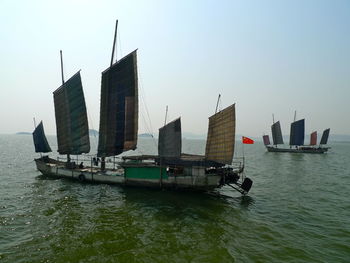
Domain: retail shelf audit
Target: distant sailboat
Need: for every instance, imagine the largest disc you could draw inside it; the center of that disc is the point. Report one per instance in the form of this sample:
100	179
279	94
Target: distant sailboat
296	140
118	133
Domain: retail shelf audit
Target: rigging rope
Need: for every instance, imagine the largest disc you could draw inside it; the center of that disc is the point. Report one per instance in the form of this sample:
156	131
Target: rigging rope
92	127
119	46
149	129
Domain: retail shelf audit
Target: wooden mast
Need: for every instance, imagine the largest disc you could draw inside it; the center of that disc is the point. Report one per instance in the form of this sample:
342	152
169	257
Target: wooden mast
34	123
103	159
166	114
217	103
68	155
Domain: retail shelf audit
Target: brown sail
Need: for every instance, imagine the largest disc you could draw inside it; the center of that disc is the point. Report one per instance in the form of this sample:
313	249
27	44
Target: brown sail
221	136
313	138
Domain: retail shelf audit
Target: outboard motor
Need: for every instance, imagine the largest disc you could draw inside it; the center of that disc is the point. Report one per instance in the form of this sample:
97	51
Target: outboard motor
247	184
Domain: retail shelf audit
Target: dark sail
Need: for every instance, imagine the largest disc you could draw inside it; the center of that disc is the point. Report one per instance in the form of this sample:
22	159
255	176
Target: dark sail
276	133
221	136
313	138
169	141
40	142
119	107
71	117
325	135
297	132
266	140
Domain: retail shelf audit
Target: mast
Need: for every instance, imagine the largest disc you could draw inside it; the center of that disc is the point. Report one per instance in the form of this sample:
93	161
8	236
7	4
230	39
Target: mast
68	155
103	159
34	122
217	103
166	114
115	37
62	67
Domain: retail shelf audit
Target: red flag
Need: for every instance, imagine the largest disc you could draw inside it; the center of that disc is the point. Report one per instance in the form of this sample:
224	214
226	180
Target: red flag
246	140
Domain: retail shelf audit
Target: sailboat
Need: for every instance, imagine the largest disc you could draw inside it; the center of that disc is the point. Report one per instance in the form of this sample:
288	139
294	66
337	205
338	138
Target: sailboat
173	169
118	133
296	140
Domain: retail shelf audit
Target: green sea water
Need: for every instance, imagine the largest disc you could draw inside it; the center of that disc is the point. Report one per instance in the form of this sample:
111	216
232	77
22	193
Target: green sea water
298	210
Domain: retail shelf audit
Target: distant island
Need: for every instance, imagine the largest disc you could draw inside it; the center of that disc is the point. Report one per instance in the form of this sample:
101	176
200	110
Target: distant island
23	133
145	135
93	132
189	135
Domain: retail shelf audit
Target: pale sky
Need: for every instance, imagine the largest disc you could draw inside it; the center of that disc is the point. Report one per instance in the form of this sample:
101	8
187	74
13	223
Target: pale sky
265	56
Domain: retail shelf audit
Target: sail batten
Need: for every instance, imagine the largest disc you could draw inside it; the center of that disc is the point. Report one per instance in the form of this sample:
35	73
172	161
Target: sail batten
297	132
276	133
40	141
221	136
71	117
169	140
119	107
325	135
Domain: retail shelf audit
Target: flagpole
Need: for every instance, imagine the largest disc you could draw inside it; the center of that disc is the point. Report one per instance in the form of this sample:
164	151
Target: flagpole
242	147
243	156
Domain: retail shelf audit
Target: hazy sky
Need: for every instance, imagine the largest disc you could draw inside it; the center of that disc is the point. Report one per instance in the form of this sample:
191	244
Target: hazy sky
265	56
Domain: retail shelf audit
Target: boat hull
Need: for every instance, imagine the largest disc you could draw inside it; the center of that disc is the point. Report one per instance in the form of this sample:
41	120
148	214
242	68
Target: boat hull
315	150
151	176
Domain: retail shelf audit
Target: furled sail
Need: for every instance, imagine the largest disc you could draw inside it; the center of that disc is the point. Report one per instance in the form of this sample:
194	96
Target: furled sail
313	138
266	140
297	132
221	136
71	117
325	135
119	107
169	141
40	141
276	133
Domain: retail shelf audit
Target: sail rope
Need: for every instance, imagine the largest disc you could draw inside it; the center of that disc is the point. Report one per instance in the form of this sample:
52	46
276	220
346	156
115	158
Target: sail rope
148	128
147	123
119	47
91	122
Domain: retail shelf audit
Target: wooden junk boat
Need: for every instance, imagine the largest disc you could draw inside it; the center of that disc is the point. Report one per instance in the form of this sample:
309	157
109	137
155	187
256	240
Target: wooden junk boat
118	131
296	141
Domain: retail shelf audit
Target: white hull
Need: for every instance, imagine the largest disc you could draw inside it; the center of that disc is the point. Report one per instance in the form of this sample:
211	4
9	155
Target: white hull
303	149
53	168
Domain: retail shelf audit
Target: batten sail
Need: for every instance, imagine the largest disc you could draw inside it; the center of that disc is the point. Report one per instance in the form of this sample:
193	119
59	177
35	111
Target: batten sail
71	117
313	138
40	142
297	132
325	135
266	140
119	107
169	140
221	136
276	133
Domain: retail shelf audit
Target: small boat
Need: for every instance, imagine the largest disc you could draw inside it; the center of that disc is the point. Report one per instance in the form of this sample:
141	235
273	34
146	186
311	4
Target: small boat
170	169
296	140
